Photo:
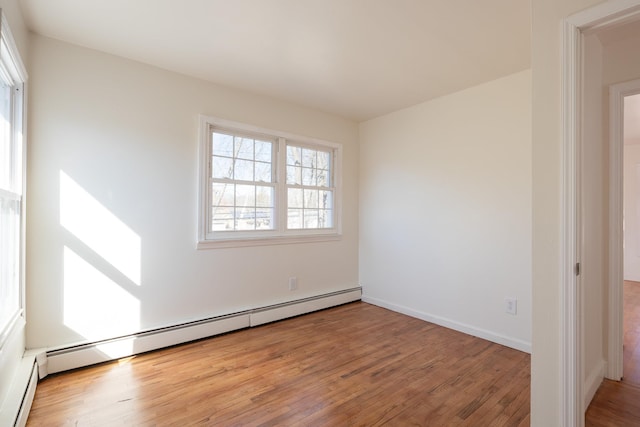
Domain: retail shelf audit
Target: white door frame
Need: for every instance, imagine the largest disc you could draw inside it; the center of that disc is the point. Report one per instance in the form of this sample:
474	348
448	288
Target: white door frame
604	15
617	93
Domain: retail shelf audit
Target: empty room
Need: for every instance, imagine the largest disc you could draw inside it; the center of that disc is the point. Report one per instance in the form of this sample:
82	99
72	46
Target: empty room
287	212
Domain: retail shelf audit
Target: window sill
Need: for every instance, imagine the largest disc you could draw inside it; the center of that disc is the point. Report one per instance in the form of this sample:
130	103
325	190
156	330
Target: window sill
266	241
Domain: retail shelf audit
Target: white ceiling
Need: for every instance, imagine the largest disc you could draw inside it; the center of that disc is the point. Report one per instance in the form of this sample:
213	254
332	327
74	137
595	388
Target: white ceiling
355	58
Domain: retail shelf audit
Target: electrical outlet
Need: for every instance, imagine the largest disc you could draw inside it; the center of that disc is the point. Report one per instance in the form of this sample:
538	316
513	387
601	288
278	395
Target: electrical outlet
293	283
511	305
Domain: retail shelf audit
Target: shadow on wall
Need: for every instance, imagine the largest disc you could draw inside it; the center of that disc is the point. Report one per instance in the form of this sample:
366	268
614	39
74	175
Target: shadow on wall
102	270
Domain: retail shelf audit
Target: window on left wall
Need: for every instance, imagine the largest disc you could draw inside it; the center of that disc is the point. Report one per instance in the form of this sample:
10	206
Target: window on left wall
12	162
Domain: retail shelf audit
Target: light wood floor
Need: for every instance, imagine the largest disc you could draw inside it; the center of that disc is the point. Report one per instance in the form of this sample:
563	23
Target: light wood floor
355	364
618	403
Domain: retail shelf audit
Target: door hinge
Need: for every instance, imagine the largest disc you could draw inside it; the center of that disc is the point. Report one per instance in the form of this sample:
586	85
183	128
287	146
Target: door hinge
577	269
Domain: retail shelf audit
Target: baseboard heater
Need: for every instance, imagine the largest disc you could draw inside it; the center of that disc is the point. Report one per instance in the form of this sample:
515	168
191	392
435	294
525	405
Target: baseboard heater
27	399
64	359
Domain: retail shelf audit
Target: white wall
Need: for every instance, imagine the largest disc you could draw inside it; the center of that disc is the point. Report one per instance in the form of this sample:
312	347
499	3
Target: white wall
632	212
621	60
445	210
121	137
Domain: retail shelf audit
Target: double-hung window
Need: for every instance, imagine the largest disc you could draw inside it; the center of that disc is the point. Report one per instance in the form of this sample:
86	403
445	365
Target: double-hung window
310	190
242	182
12	76
259	186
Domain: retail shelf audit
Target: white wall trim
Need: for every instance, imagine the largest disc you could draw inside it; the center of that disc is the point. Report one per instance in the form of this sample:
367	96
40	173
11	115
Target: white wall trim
282	311
85	354
604	15
592	382
570	335
617	94
452	324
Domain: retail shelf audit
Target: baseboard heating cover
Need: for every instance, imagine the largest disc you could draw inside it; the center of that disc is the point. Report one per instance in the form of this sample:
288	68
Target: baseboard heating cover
27	400
64	359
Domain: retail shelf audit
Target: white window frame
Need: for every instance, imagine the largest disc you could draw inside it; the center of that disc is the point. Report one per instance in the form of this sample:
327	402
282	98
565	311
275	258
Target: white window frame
12	67
280	234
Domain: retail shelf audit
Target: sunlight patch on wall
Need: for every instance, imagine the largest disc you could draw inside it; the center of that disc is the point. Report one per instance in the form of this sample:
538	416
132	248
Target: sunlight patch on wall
94	305
87	219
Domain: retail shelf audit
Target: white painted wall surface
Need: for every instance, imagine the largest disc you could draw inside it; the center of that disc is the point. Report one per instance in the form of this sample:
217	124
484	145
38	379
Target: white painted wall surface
120	137
594	228
632	212
445	210
621	60
546	67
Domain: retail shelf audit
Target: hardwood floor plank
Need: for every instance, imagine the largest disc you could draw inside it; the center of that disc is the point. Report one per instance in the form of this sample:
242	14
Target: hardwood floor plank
356	364
617	403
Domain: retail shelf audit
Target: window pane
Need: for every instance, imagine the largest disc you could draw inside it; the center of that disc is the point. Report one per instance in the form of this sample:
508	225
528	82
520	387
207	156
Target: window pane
263	172
9	261
264	219
222	219
294	156
309	177
324	160
6	152
310	199
222	145
264	197
325	200
243	170
294	218
310	218
244	148
222	168
309	158
323	178
294	175
246	191
245	195
245	218
222	194
325	219
11	159
294	197
264	151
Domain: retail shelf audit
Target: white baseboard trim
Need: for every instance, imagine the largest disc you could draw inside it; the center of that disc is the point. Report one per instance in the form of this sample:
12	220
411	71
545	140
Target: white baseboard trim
68	358
451	324
17	405
307	305
64	359
29	394
592	382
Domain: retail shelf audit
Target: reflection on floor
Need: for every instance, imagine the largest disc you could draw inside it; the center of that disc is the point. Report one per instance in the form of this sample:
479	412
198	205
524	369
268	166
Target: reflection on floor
356	364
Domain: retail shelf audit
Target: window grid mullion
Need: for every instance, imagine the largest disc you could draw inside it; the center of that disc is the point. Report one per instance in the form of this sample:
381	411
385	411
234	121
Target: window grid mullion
281	203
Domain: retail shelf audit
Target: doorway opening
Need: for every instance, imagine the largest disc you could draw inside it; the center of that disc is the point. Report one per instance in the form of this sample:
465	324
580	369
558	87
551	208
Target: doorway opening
631	239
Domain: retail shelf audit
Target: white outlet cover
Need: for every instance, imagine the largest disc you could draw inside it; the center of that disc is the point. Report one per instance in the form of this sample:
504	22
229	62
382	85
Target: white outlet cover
511	305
